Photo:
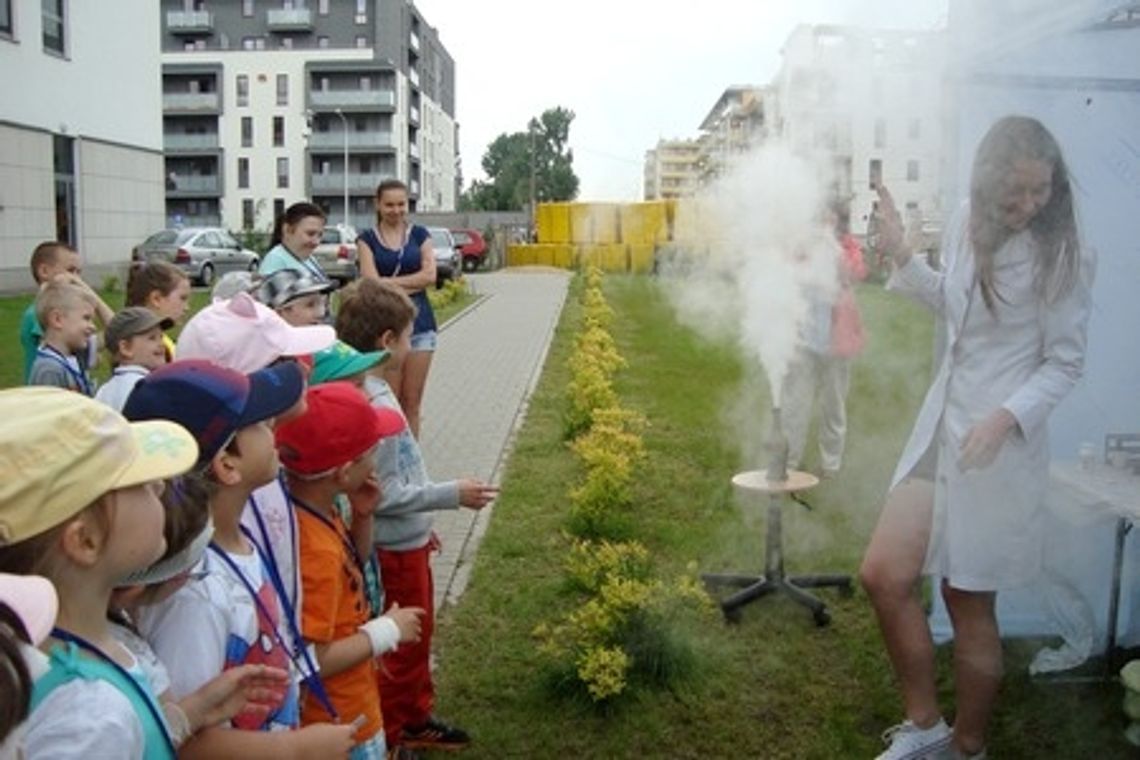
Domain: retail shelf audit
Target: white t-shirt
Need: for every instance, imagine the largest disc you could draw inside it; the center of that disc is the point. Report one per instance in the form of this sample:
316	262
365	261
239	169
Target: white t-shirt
213	624
86	720
145	657
278	540
114	392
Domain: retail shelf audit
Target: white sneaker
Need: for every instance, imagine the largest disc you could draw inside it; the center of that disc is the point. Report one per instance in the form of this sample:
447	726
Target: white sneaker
909	742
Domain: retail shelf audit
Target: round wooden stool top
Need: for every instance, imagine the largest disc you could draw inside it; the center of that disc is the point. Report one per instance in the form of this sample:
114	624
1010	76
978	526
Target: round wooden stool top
756	481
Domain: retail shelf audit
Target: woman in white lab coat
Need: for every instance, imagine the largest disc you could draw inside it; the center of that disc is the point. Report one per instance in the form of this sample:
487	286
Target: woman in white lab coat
1013	303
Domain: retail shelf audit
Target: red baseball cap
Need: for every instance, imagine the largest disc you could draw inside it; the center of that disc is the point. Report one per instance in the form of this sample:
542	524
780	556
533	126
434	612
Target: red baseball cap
337	427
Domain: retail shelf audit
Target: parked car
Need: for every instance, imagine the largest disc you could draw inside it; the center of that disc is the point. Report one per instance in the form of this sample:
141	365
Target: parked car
446	255
336	253
472	248
203	253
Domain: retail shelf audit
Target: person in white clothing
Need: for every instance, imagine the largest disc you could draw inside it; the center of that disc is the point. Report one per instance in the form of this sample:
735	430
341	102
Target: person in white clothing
134	338
1013	302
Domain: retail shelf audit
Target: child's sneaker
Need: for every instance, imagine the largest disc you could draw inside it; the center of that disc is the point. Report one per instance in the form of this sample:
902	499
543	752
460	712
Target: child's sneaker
434	734
909	742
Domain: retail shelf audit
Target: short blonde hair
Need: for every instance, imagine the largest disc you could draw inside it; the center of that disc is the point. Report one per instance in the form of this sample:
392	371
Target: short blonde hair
58	296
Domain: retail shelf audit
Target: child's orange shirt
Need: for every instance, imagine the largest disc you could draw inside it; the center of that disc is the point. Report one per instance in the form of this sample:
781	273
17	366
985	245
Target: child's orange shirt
335	607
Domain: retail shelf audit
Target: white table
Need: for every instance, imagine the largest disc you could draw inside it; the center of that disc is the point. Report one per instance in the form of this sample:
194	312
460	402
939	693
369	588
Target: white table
1100	490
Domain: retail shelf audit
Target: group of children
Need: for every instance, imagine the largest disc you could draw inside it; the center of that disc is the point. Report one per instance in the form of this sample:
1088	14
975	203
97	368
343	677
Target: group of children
235	531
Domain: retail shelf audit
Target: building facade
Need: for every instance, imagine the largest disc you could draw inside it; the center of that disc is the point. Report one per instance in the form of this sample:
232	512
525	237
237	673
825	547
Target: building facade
871	102
734	126
80	132
671	169
266	103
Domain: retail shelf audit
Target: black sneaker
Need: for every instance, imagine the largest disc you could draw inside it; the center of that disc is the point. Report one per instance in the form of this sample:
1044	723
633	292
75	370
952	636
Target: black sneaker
434	734
403	753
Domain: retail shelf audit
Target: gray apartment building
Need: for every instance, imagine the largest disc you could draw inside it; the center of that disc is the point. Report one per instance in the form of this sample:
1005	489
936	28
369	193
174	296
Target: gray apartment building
267	102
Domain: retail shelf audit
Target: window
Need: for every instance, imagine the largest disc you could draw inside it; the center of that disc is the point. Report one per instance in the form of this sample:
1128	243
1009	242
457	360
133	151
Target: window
6	26
242	90
322	42
362	11
247	213
282	89
278	208
286	43
880	133
914	131
247	131
63	159
283	172
243	173
247	8
875	173
366	83
323	7
912	171
278	131
54	14
361	41
248	43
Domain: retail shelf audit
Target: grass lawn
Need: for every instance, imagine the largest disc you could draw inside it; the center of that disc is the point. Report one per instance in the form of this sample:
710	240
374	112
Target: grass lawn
774	686
12	309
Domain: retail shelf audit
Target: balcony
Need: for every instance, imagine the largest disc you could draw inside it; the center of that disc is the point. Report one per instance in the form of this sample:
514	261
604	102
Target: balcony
188	185
196	102
414	76
186	143
290	19
190	22
334	141
189	220
352	98
333	183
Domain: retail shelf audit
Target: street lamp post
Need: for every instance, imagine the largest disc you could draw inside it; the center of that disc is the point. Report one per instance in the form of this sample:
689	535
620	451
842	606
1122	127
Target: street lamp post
344	127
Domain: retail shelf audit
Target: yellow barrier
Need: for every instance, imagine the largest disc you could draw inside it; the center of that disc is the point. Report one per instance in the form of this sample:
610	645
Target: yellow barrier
644	222
641	257
552	222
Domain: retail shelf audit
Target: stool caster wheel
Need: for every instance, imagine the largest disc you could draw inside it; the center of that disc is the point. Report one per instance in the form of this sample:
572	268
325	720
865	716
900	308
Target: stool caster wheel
822	618
733	616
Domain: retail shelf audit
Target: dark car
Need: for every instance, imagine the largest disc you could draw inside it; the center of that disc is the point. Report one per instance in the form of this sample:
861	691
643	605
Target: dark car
203	253
472	248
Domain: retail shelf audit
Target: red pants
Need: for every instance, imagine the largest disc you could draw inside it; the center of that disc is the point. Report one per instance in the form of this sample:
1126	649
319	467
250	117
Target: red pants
407	694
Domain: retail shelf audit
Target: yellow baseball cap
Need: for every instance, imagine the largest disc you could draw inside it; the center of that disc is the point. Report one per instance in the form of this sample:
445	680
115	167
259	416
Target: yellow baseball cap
60	451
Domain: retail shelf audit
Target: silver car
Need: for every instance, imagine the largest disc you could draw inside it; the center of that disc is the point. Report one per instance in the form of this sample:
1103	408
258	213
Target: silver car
203	253
336	253
446	255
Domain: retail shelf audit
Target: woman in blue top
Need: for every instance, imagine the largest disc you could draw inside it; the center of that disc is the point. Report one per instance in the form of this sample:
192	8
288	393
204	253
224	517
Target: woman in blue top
401	253
296	234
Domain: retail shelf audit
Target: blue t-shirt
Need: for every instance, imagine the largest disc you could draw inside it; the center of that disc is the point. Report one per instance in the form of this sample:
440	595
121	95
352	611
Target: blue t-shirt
407	260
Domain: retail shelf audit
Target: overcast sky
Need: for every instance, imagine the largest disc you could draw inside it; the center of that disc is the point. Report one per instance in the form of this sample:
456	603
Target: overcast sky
633	71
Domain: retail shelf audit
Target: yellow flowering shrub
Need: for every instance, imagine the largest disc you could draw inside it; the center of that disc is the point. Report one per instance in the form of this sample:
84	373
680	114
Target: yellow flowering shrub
596	343
591	562
589	388
603	671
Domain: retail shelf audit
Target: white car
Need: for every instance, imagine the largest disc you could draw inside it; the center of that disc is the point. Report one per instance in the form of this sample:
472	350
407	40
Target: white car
446	255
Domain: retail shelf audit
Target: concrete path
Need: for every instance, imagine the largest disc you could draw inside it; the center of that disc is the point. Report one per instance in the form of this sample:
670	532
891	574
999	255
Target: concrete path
487	363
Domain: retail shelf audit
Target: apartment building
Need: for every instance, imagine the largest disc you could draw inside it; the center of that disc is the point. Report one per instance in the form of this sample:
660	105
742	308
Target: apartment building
871	101
733	126
80	131
671	169
268	102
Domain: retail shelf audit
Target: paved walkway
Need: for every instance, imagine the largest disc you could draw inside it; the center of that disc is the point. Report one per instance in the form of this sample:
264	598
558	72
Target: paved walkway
486	366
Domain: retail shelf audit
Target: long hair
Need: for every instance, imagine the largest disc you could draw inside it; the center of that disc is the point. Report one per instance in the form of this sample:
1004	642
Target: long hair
1054	228
292	216
15	680
161	276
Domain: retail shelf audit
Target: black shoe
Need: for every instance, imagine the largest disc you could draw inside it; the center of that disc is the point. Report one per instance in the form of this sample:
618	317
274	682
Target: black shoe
434	734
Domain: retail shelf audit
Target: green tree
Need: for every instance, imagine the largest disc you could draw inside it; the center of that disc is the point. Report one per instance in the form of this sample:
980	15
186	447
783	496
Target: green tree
508	163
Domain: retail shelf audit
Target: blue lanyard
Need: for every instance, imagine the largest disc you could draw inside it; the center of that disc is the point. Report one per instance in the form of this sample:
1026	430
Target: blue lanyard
147	698
348	545
80	377
272	566
309	671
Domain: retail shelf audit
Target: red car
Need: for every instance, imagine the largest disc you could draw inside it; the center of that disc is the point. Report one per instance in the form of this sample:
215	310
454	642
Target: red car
472	248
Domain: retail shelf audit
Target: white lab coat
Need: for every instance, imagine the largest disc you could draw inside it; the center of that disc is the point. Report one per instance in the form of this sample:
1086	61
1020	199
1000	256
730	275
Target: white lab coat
985	533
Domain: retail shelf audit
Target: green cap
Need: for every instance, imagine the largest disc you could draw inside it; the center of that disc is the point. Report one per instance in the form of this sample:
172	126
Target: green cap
341	360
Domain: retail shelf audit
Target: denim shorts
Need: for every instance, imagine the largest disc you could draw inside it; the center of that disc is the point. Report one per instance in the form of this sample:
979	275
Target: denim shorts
425	341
